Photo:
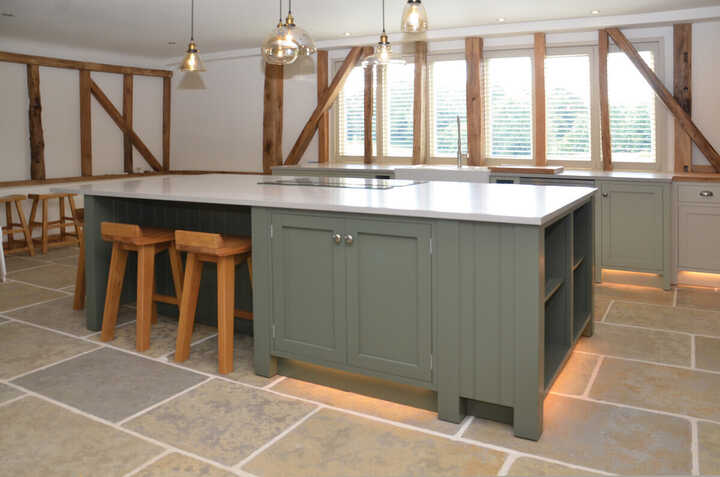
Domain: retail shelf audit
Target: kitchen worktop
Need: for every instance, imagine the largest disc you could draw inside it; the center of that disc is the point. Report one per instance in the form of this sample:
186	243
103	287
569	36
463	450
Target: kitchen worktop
517	204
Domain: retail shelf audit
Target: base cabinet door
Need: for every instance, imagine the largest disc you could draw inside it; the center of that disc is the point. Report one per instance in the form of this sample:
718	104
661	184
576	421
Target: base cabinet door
308	274
389	297
699	236
634	223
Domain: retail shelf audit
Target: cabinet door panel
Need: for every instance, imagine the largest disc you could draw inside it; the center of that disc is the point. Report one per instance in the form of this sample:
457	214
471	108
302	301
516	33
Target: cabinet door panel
389	297
633	228
699	237
308	287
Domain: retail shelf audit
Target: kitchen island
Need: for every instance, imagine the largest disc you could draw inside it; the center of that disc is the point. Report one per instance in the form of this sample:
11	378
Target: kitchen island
476	291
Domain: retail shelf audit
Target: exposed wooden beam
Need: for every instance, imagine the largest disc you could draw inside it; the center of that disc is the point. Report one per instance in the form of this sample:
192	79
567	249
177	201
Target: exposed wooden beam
167	91
475	139
85	125
128	117
37	141
682	67
80	65
323	77
606	140
419	108
324	105
672	104
539	109
117	117
369	100
273	117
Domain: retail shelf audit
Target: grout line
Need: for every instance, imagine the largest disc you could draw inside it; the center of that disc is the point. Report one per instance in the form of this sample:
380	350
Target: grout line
42	368
12	280
17	398
680	307
35	325
463	427
148	463
593	376
44	264
694	447
97	333
655	363
277	381
111	424
509	460
35	304
275	439
693	351
666	330
607	311
164	401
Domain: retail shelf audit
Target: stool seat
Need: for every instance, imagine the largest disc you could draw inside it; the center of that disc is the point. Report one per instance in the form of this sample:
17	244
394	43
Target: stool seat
226	251
12	198
132	234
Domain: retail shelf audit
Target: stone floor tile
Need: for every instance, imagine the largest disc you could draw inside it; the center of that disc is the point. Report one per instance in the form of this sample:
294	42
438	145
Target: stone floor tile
332	443
162	337
600	306
634	293
41	439
25	348
110	384
15	263
662	388
368	405
699	297
204	358
709	448
59	315
635	343
707	353
69	261
576	374
50	276
221	421
58	252
7	393
14	295
179	465
601	436
524	466
688	320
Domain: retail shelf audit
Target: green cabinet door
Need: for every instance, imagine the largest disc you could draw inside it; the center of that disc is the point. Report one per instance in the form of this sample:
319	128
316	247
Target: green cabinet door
389	297
308	275
634	223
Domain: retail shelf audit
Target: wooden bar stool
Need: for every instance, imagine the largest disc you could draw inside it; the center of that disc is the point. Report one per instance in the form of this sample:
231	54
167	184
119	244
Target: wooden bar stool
147	242
79	301
63	223
13	245
227	252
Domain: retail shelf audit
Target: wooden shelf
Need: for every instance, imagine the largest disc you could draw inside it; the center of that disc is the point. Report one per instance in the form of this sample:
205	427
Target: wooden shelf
552	286
578	262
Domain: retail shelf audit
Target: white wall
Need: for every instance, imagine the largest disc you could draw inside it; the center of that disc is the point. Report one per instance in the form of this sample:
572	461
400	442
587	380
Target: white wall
705	89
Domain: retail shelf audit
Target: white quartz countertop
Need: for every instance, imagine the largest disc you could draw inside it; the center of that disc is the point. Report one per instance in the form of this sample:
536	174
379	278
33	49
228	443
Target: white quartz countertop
566	174
502	203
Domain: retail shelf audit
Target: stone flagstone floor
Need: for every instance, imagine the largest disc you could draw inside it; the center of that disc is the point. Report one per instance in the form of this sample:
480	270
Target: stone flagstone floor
640	397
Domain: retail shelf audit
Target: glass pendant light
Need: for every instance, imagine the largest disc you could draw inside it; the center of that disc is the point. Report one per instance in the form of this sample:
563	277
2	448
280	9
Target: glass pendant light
279	48
305	43
192	61
414	19
383	50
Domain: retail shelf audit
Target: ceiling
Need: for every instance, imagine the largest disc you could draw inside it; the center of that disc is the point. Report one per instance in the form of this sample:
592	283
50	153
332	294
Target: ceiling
144	27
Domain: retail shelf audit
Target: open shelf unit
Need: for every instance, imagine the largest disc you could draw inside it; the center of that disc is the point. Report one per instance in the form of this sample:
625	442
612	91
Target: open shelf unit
568	286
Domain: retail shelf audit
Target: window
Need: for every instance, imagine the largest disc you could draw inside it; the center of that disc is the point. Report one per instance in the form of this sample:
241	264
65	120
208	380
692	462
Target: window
567	107
399	94
508	107
447	89
351	115
632	110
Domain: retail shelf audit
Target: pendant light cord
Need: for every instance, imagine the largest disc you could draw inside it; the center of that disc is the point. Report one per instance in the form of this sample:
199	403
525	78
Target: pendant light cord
290	7
383	5
192	20
280	17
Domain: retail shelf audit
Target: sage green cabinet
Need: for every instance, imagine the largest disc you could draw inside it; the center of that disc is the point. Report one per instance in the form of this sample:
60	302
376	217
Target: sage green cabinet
356	292
634	226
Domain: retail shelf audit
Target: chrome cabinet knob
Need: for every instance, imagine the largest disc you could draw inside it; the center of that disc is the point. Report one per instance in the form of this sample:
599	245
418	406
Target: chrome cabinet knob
337	238
348	239
605	194
706	193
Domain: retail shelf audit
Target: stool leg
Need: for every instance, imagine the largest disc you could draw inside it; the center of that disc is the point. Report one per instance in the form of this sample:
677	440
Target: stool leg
79	301
188	305
26	229
145	286
250	271
73	214
45	232
116	276
61	208
176	268
226	312
9	222
33	218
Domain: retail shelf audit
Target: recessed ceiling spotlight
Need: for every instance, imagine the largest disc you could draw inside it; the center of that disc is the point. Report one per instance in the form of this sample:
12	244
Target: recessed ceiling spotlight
501	20
595	12
7	14
347	33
